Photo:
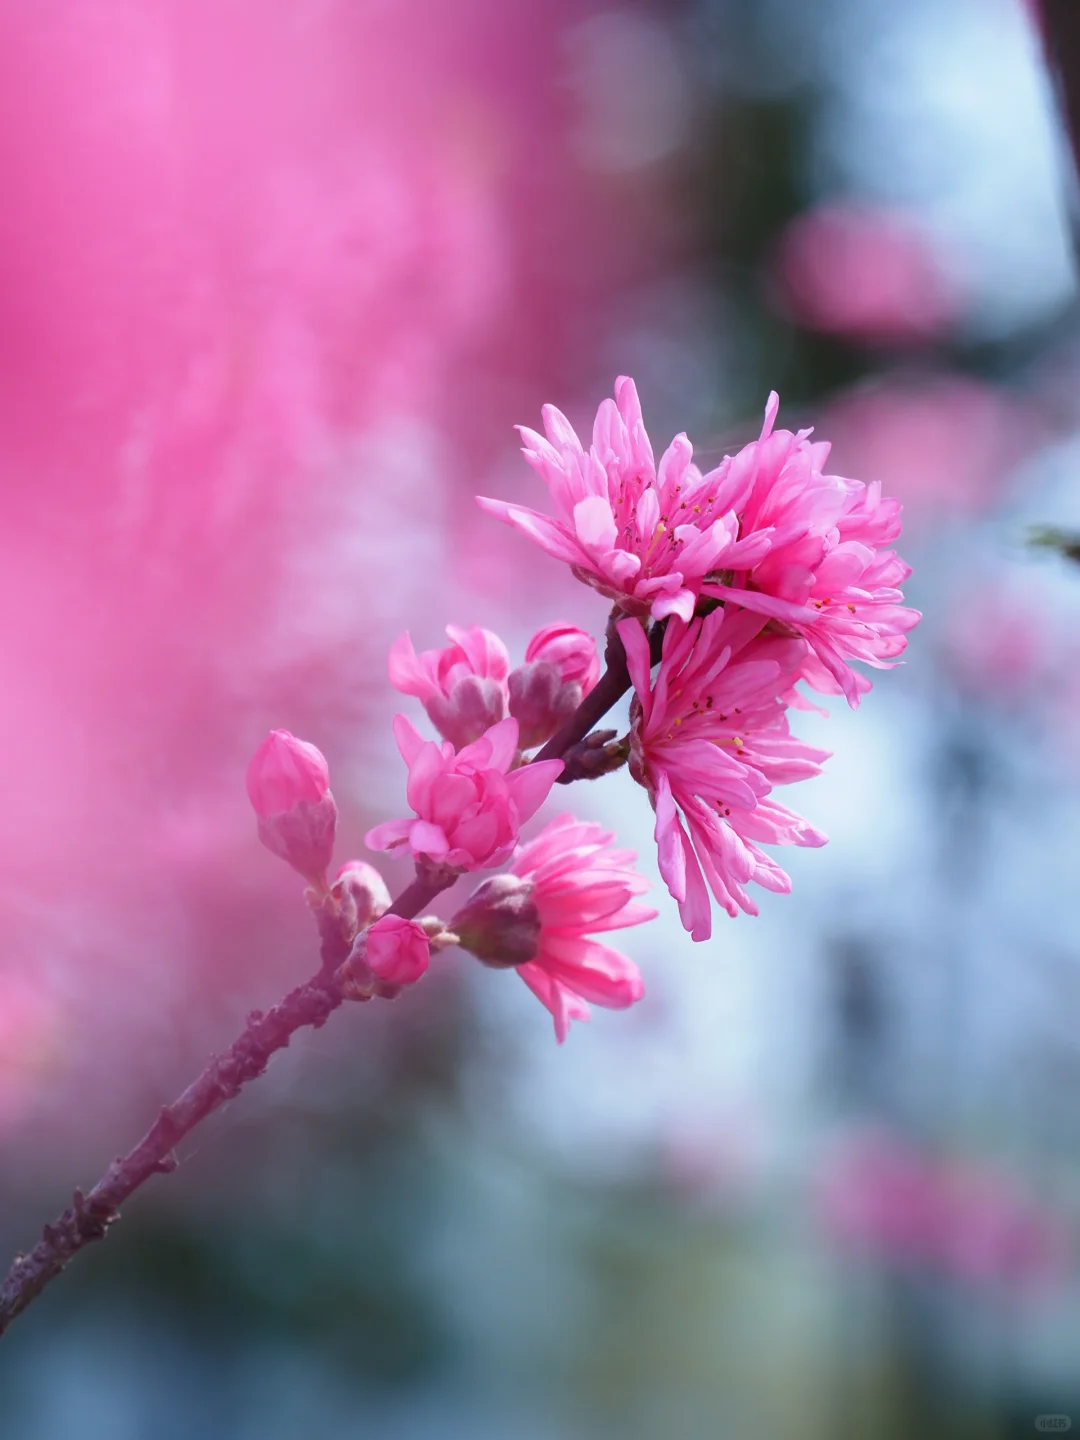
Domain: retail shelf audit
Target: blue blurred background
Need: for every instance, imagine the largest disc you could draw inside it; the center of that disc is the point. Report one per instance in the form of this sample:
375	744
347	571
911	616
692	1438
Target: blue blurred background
276	282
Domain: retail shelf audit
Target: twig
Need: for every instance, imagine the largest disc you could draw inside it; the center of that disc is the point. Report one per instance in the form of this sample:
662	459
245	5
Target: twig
89	1217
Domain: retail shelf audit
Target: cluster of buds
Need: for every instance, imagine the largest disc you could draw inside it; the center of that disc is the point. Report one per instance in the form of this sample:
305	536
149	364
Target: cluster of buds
730	588
468	686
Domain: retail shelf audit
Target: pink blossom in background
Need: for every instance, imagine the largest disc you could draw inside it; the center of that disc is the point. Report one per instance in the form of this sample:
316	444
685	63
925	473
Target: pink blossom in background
580	886
876	1194
943	444
823	572
463	687
639	532
863	272
994	1233
397	950
709	739
879	1194
33	1031
470	804
997	642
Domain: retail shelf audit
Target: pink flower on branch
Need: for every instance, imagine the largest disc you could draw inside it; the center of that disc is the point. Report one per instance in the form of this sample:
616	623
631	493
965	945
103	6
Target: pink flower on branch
623	523
560	887
824	573
709	739
463	687
469	805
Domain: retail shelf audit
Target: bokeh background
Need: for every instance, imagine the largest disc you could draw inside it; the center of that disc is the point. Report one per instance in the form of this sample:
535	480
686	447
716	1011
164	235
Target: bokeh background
277	278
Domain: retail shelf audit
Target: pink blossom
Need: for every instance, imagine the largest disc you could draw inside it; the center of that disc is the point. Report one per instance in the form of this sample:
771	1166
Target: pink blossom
469	805
825	573
709	739
618	519
578	885
397	950
284	772
462	686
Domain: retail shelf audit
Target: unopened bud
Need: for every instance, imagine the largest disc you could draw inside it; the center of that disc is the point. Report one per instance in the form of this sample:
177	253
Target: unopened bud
391	953
472	705
540	702
288	783
561	667
462	686
598	754
572	650
361	893
499	924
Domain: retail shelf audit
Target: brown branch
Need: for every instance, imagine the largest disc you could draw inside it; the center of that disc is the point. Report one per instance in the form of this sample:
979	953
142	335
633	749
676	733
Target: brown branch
608	690
89	1216
1061	37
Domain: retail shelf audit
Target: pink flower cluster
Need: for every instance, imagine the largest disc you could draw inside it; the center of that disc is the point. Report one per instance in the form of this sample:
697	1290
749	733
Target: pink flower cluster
731	588
765	529
468	686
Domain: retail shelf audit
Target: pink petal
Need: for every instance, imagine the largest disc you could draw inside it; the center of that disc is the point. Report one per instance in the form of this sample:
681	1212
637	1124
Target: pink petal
594	523
389	834
427	839
529	786
409	740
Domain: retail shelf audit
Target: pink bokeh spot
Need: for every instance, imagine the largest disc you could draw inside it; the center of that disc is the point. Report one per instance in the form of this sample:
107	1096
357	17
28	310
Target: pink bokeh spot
863	272
942	443
880	1195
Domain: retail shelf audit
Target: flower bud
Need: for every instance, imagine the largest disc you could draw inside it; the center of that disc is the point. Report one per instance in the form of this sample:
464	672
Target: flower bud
392	952
572	650
561	667
288	783
472	705
398	950
499	924
361	893
462	686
